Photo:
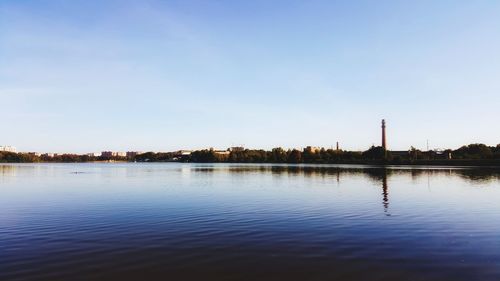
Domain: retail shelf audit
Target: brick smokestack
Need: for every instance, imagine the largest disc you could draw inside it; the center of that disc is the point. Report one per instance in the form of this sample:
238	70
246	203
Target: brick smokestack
384	145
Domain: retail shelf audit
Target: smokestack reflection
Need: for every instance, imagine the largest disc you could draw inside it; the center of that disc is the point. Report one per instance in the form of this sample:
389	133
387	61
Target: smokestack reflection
385	193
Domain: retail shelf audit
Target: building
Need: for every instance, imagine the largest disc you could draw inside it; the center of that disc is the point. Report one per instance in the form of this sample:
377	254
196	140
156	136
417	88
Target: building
184	152
132	154
34	154
313	149
400	153
107	154
121	154
220	152
94	154
236	148
8	149
113	154
48	155
438	154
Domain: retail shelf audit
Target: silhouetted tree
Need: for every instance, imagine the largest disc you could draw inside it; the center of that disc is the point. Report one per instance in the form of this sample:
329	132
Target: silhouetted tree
374	153
294	156
474	151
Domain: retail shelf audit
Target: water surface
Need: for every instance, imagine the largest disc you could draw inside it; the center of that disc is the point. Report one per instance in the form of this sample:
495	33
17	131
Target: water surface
248	222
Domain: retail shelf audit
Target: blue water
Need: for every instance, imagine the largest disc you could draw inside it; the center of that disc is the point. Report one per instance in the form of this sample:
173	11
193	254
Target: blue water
248	222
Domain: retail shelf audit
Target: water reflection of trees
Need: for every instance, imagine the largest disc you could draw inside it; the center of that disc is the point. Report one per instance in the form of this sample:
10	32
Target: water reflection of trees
375	173
481	175
7	170
378	175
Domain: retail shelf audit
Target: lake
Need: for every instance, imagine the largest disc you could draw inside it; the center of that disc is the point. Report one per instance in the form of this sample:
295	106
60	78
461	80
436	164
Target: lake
172	221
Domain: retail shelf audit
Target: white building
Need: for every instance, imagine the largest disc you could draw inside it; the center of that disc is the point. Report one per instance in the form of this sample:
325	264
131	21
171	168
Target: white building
184	152
8	148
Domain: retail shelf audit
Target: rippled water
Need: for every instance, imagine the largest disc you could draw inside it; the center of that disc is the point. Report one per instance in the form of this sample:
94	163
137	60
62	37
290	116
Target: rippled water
247	222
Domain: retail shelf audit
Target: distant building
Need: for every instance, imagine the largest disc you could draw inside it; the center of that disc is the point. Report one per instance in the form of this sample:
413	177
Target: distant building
237	148
184	152
108	154
442	154
35	154
132	154
94	154
313	149
48	155
113	154
8	149
400	153
220	152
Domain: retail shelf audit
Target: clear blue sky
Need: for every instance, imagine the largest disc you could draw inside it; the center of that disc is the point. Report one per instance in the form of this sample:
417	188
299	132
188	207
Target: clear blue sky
82	76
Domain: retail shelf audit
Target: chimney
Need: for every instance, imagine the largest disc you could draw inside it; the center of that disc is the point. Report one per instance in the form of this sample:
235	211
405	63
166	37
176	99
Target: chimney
384	145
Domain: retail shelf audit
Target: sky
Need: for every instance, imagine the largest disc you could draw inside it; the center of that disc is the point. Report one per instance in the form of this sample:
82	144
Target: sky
85	76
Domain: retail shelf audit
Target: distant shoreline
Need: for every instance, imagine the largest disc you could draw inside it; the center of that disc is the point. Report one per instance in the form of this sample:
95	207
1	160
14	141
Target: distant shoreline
436	163
467	155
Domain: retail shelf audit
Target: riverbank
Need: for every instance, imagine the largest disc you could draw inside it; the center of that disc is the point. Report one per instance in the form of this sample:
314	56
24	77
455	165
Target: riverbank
452	163
469	155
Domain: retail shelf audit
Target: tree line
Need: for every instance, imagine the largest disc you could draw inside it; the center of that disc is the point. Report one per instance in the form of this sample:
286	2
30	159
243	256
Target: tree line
375	154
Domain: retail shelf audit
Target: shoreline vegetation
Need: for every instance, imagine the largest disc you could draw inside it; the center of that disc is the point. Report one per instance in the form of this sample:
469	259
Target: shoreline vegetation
468	155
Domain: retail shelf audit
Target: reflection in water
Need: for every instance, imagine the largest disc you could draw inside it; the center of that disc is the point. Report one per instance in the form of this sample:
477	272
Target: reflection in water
247	222
377	173
385	193
7	170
